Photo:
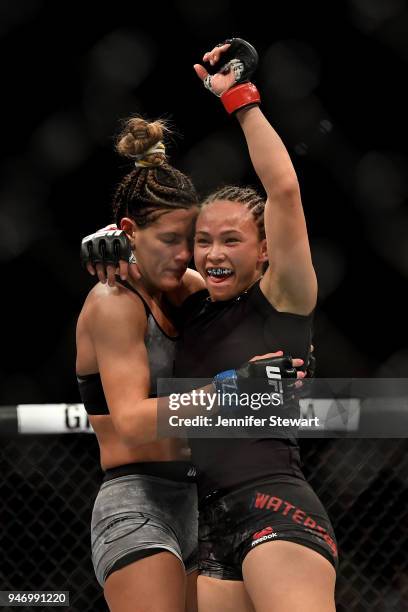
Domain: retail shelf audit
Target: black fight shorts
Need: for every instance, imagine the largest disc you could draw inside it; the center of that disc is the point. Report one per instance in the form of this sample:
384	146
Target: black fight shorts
233	523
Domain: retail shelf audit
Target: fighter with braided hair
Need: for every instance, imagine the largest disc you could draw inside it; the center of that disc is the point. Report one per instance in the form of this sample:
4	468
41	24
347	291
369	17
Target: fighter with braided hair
265	540
144	521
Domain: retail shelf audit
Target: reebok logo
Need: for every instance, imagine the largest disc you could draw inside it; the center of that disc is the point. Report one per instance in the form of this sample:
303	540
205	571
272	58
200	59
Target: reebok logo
263	532
263	535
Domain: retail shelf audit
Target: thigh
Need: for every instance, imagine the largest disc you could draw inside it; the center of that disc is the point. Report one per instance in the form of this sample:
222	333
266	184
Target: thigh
216	595
191	592
152	584
134	516
282	576
282	511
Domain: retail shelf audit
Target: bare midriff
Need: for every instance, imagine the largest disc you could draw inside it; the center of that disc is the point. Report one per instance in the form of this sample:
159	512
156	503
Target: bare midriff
114	452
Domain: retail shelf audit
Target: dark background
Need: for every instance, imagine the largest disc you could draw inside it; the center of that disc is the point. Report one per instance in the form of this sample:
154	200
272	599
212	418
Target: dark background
333	81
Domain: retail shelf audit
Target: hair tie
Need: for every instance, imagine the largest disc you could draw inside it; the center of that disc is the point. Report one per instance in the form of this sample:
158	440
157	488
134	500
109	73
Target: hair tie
142	162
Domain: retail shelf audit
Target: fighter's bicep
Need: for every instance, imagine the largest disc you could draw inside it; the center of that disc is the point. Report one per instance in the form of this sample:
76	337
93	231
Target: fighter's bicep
118	336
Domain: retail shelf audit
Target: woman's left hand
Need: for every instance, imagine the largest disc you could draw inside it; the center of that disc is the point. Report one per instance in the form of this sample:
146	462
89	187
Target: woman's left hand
221	81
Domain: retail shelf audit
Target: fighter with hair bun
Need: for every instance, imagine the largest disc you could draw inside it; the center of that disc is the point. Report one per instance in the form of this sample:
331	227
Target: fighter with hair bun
144	521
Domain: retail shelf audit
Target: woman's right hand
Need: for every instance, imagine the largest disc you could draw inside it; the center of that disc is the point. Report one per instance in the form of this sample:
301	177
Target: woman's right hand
106	253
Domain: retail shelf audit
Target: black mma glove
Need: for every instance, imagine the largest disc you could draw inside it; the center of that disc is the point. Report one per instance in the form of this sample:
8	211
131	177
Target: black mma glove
106	247
242	59
269	372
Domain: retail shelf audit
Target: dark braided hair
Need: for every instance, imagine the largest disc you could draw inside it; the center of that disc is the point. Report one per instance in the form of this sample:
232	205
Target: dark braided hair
243	195
154	187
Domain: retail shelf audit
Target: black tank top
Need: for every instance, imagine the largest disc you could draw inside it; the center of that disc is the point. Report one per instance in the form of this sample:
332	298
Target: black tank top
221	335
160	350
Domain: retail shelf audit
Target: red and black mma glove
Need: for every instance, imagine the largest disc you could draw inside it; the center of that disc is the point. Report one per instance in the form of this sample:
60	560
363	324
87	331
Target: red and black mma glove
106	247
242	58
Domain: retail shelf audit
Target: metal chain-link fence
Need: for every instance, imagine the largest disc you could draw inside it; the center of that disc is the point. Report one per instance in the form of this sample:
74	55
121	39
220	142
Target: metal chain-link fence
364	486
47	491
49	483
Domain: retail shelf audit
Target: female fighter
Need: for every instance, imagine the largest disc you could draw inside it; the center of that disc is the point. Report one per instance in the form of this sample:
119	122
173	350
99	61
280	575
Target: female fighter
265	541
144	522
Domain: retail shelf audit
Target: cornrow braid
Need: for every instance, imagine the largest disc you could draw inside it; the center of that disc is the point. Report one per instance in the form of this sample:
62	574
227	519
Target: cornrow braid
153	186
246	196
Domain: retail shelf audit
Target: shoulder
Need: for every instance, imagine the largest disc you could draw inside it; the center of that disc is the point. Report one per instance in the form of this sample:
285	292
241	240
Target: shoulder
191	283
273	303
285	301
109	310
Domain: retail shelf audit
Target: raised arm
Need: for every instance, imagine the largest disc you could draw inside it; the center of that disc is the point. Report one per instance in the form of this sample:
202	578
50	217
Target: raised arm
290	281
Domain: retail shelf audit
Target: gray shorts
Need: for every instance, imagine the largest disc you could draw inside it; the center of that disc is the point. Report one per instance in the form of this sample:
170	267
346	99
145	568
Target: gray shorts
137	513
